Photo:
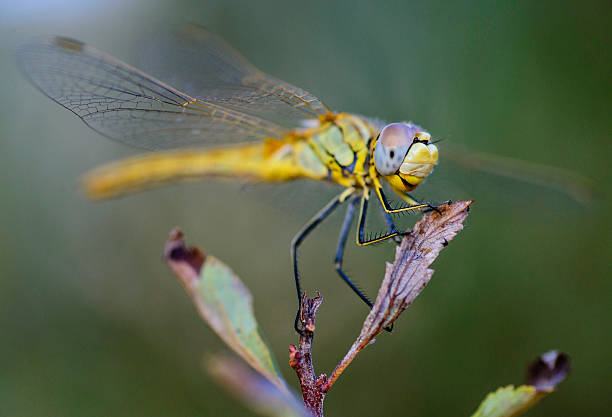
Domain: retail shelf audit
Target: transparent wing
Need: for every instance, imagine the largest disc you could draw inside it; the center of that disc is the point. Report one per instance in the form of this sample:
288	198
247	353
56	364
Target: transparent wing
204	65
576	186
130	106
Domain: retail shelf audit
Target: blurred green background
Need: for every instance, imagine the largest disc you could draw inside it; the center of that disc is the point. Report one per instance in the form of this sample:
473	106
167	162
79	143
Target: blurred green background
93	323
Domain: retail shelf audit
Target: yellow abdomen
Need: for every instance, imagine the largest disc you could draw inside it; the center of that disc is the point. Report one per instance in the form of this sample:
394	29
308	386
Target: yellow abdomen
333	151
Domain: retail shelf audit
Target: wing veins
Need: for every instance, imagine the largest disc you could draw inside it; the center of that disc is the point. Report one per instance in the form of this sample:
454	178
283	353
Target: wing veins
269	86
151	80
253	121
128	105
102	83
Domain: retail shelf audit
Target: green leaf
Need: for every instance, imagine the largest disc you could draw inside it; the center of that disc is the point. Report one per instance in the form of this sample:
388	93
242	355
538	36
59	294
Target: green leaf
229	303
508	401
225	303
543	376
254	391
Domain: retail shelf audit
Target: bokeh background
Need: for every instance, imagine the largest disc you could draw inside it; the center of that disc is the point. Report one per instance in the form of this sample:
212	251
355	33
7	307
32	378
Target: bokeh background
93	323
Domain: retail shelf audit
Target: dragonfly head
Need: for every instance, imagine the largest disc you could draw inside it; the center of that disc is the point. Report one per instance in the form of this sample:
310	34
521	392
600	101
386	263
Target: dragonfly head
404	155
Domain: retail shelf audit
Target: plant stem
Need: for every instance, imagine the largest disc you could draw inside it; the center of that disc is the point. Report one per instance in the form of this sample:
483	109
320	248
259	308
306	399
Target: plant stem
300	358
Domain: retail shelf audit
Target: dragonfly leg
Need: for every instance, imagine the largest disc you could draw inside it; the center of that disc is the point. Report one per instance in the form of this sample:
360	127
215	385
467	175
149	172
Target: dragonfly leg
361	239
391	226
413	204
299	238
411	200
346	225
344	231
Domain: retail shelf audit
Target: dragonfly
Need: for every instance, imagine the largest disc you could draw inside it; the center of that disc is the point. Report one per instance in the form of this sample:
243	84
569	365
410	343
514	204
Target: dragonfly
208	112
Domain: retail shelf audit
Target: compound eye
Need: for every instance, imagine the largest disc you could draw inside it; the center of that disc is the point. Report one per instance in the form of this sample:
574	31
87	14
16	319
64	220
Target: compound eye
397	135
388	160
393	144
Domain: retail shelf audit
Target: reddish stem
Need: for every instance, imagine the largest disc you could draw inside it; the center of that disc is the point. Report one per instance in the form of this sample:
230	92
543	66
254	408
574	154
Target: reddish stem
300	358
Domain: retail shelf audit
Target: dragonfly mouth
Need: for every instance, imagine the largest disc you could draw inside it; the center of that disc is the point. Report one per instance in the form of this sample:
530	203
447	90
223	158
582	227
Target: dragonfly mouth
420	160
420	170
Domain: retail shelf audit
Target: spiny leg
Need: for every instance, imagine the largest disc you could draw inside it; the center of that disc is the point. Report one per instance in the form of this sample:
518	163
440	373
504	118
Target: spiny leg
391	226
414	205
299	238
346	226
413	201
361	240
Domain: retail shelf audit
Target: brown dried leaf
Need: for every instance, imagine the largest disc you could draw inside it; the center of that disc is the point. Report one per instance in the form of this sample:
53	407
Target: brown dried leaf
409	273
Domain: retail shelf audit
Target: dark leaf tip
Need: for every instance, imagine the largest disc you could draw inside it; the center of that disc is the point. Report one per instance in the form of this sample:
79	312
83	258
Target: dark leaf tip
548	370
176	250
